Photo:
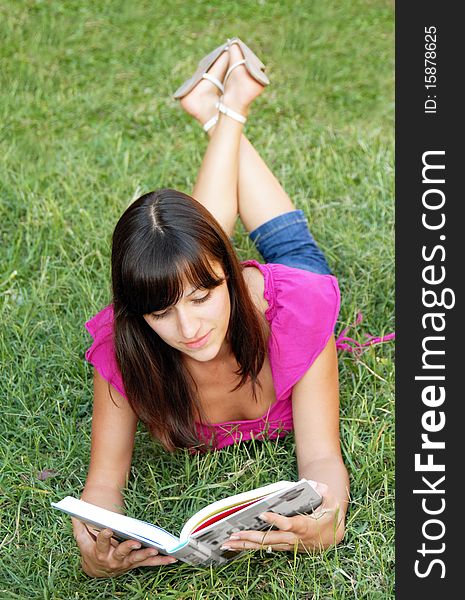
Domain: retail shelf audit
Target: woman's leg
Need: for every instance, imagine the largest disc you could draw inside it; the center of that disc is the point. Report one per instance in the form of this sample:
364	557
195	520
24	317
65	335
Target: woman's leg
260	195
233	178
216	186
250	188
279	231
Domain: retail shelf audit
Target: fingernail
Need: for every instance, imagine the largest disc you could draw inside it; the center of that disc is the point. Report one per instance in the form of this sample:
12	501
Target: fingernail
234	536
154	553
263	517
135	547
172	560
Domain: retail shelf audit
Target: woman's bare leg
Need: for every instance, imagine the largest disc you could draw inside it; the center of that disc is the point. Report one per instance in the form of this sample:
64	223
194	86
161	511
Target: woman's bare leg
260	195
233	177
216	186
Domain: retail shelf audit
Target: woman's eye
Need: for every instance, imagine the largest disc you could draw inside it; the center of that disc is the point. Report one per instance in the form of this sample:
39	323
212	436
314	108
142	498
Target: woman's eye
195	301
203	299
159	315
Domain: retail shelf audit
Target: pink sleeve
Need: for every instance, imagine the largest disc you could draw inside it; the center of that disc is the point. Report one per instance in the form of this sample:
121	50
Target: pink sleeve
304	309
102	352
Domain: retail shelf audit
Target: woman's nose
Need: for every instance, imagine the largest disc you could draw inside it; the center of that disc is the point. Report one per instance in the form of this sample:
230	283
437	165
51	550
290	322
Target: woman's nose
189	326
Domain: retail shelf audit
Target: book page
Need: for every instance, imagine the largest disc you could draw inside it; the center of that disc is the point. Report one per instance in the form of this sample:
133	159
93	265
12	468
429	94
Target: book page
221	515
220	505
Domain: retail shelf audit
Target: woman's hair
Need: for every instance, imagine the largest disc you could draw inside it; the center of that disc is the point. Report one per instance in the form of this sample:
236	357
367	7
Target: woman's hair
162	240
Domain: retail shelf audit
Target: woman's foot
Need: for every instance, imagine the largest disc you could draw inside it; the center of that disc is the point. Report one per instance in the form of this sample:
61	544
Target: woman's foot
240	87
200	102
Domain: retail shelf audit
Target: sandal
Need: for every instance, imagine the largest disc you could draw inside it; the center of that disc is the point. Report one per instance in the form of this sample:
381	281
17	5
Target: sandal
226	111
255	68
210	123
230	112
201	73
252	63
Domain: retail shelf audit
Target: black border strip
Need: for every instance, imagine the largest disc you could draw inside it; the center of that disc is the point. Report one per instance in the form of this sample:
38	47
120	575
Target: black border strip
428	555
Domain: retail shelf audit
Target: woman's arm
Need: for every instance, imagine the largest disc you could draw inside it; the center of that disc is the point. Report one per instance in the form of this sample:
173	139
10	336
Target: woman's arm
113	430
315	402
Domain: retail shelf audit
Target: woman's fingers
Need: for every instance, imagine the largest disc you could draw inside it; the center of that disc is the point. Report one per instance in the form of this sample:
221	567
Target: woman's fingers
84	539
155	561
260	539
79	530
129	554
284	539
300	530
301	525
138	556
248	545
146	557
280	521
297	525
124	549
102	542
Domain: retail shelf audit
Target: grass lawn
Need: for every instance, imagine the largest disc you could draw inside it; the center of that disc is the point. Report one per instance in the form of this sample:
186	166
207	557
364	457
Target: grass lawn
87	124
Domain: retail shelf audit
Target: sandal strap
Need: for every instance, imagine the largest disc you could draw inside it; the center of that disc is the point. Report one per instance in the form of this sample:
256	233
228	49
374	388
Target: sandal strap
231	69
230	113
214	80
210	123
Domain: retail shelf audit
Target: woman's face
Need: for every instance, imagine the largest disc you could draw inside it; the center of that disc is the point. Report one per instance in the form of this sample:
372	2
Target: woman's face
198	323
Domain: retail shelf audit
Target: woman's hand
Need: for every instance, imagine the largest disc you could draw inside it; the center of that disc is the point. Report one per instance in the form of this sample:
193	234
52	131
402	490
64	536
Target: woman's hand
306	533
103	556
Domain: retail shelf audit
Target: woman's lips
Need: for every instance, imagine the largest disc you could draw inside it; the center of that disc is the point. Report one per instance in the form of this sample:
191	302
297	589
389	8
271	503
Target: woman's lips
198	343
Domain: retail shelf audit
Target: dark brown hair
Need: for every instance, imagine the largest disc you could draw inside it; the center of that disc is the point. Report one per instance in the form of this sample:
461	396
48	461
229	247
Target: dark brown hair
162	239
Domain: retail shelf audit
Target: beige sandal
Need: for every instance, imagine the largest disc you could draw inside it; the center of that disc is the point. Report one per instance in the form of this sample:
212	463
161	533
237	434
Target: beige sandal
255	68
230	112
222	108
201	73
252	63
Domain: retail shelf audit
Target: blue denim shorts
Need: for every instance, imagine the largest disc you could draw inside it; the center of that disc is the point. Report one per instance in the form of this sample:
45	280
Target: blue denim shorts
286	240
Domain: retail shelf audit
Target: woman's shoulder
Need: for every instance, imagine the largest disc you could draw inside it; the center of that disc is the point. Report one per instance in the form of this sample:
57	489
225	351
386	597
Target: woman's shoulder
278	286
304	290
255	282
101	354
302	309
101	324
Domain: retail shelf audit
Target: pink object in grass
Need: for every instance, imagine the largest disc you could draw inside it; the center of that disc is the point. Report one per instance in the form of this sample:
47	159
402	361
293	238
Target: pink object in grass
350	345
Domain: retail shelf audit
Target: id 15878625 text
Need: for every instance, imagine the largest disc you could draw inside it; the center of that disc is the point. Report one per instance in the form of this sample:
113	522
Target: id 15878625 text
431	102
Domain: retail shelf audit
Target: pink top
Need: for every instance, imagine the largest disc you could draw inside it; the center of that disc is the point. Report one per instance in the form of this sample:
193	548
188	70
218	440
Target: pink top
302	312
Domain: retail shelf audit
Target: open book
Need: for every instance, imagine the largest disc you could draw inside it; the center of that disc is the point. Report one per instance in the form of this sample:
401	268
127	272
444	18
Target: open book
204	533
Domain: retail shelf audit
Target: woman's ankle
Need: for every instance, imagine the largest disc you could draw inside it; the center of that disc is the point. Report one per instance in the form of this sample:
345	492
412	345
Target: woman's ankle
236	104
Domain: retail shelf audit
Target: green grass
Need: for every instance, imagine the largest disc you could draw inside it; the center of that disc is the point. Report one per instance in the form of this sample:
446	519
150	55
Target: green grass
87	123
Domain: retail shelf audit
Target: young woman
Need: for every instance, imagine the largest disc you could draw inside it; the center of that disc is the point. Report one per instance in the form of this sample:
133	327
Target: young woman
208	351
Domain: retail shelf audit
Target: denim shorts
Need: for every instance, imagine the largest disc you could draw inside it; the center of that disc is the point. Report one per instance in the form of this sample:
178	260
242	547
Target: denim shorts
286	240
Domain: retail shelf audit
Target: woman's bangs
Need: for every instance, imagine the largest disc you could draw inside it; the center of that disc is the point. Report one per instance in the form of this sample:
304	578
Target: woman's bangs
160	281
200	273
